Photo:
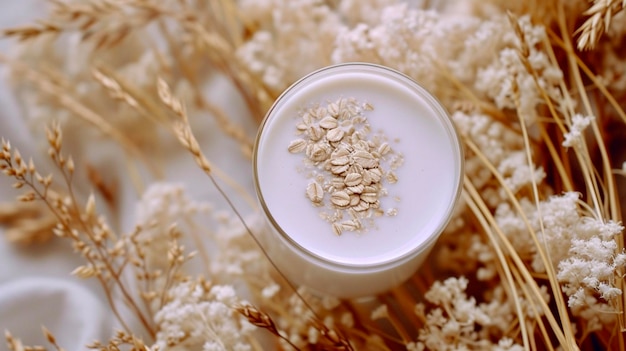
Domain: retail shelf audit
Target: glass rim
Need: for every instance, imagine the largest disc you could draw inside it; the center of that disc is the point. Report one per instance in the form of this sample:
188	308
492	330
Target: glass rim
437	109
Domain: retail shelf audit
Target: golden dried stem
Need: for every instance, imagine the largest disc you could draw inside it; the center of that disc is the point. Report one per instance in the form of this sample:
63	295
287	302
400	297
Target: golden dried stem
568	333
79	109
504	265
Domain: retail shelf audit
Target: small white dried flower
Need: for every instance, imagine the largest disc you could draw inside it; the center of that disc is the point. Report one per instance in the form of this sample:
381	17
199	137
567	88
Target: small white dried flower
270	291
380	312
575	134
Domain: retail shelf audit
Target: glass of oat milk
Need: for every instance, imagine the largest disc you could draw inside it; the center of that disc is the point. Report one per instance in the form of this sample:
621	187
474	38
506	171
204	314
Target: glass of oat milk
357	169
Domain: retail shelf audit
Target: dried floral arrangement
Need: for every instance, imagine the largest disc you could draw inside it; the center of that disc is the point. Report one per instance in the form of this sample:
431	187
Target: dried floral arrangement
533	259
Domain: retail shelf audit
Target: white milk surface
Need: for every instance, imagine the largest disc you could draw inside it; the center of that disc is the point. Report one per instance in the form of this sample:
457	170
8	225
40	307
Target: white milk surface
428	181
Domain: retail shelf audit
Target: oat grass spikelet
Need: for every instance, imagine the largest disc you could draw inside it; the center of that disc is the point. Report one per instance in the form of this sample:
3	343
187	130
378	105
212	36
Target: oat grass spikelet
600	14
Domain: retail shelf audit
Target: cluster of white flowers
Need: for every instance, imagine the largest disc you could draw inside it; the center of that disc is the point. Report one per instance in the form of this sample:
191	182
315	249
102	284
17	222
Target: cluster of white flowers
582	249
458	322
575	134
503	148
234	255
516	229
161	206
420	43
292	39
591	273
506	77
201	317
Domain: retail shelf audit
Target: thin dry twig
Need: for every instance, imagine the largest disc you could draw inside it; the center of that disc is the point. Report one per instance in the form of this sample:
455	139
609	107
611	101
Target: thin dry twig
88	232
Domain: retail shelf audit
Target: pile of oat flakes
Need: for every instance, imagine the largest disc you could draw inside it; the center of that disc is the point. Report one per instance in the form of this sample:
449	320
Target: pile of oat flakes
347	163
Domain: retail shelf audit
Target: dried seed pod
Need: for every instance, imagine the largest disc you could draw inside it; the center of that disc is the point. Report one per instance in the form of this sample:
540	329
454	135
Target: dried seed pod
369	197
314	192
353	179
335	134
328	122
297	146
340	198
